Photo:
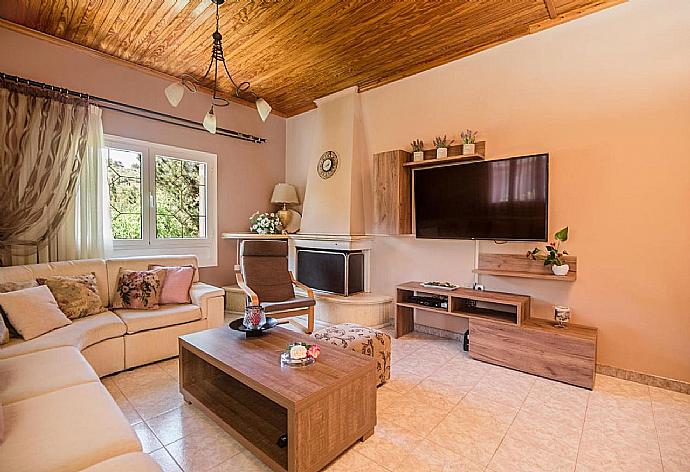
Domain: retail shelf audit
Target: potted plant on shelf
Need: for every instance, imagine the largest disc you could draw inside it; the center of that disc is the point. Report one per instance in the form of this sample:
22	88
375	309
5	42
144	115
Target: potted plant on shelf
553	256
417	150
468	139
442	145
265	223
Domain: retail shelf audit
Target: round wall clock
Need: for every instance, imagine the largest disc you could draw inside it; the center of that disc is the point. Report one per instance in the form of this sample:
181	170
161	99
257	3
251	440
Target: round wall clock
327	164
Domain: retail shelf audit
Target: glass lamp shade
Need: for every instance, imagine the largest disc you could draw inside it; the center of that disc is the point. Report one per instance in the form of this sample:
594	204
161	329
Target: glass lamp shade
174	93
263	108
210	122
284	193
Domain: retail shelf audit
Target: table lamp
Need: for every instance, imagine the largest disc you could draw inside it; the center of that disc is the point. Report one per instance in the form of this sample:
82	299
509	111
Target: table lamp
284	193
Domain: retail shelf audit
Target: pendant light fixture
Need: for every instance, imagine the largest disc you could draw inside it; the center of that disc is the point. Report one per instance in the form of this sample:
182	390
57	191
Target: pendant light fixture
174	92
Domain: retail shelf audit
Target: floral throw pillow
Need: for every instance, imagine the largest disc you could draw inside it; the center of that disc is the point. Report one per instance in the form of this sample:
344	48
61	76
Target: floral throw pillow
139	289
76	295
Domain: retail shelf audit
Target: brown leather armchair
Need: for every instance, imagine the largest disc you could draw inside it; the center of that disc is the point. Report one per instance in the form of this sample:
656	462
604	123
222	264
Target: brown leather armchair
265	278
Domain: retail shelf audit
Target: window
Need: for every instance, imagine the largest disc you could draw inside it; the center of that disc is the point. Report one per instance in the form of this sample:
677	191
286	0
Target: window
162	199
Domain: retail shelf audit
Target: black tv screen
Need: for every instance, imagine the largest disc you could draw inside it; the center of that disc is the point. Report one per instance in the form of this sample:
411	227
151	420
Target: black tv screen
504	199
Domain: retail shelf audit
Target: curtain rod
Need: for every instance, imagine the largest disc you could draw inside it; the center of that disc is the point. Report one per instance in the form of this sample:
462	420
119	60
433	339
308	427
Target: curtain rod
134	110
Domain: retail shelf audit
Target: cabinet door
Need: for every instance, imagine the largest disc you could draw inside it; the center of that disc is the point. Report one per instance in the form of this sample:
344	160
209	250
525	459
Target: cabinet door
392	193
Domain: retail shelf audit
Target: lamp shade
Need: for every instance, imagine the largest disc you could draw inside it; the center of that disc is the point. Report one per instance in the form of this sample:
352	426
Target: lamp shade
210	122
284	193
174	93
263	108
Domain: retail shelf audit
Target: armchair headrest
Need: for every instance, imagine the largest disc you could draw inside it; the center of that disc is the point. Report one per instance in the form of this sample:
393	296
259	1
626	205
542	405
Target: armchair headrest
264	248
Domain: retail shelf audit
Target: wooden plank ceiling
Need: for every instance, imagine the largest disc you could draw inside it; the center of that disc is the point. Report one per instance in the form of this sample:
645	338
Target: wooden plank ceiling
293	52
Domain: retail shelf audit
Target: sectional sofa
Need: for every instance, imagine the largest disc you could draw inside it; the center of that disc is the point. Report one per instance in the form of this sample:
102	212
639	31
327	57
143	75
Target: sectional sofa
57	414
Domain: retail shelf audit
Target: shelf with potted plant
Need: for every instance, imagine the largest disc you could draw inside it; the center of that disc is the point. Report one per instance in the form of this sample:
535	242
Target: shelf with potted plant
454	154
550	263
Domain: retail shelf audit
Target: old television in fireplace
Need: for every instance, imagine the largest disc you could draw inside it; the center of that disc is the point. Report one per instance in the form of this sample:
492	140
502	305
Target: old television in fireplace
503	200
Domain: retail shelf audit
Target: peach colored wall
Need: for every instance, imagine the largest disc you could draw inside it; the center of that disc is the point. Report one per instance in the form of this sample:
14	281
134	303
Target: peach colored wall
246	171
608	96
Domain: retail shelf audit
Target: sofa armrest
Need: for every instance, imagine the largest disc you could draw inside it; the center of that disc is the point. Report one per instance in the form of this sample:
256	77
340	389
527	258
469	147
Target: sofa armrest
201	293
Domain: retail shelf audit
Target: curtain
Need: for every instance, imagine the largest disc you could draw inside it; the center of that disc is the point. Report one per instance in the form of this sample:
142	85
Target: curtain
43	142
86	233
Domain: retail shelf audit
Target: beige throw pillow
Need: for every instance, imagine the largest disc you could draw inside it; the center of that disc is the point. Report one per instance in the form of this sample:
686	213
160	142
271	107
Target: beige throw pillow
10	332
76	295
33	311
4	331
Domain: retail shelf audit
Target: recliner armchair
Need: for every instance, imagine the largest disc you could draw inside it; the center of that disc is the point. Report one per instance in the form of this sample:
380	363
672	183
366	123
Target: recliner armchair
267	282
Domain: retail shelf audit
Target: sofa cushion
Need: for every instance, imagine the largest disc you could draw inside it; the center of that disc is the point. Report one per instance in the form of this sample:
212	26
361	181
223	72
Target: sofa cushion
33	374
65	430
35	271
76	295
33	311
132	462
11	287
142	263
166	315
289	304
83	332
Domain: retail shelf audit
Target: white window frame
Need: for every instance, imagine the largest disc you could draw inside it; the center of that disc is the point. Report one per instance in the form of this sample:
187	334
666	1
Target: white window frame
206	249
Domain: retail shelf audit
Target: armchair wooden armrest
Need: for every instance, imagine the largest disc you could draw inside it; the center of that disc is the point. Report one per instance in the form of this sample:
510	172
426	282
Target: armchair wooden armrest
297	283
250	293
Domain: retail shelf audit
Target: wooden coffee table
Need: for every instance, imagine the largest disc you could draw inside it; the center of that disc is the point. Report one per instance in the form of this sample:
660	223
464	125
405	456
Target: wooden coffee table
323	408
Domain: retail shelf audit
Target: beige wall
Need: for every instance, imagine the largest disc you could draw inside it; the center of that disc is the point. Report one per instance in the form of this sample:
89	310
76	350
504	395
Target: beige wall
246	171
608	96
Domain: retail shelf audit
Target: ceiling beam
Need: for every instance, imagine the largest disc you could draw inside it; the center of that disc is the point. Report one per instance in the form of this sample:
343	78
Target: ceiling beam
551	8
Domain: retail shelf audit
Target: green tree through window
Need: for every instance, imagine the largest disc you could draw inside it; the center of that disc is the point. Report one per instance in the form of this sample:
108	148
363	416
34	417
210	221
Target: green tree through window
124	182
180	198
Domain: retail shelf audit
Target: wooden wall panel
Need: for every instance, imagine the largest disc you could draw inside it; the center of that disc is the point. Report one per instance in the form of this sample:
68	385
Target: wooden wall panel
392	193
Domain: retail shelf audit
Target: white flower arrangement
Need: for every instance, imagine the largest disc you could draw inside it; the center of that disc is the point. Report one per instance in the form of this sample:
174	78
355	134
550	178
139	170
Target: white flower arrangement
265	223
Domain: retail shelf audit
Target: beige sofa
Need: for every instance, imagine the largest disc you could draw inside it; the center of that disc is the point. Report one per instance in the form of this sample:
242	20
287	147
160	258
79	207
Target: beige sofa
121	339
59	417
57	414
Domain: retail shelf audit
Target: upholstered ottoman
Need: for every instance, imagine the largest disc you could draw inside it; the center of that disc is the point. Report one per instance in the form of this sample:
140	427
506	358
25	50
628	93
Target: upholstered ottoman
368	341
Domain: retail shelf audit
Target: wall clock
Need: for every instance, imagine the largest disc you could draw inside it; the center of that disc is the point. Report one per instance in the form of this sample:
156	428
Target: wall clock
327	164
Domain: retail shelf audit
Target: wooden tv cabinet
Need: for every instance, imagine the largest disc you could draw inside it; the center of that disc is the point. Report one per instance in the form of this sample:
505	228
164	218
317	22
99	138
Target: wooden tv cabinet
502	332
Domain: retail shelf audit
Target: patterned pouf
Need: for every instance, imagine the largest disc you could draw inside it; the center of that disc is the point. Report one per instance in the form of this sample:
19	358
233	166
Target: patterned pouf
361	339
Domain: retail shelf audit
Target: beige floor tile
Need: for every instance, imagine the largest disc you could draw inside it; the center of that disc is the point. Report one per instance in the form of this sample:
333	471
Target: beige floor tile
386	396
548	430
503	388
153	400
148	375
199	452
388	444
402	380
165	461
353	461
515	455
125	406
430	457
149	441
180	422
171	367
415	414
242	462
474	429
564	398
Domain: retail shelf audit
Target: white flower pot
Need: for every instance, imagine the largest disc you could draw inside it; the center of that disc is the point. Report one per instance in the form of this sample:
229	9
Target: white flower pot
560	270
418	156
441	153
467	149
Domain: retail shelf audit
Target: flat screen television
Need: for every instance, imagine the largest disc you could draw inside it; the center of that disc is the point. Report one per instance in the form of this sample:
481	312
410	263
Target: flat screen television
503	199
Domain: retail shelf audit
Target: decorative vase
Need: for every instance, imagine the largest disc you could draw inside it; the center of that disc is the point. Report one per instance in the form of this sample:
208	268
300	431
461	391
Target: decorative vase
467	149
441	153
562	316
254	317
560	270
418	156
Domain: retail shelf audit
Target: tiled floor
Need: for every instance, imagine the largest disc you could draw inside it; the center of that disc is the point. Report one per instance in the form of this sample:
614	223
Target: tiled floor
442	411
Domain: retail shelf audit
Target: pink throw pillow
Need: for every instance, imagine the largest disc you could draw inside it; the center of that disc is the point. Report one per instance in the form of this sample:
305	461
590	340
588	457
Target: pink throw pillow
178	281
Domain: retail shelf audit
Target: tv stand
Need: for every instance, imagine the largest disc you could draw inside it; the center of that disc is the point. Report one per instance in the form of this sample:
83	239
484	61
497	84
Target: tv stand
502	332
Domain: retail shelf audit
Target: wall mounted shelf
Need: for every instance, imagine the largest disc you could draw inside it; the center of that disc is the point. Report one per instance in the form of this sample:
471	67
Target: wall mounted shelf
446	160
517	265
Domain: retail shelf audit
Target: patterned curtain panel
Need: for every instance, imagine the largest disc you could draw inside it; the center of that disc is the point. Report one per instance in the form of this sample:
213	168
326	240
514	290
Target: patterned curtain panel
43	139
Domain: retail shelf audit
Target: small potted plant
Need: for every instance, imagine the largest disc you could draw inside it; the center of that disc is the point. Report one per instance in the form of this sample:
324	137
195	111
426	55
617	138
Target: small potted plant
442	145
468	139
554	256
417	150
